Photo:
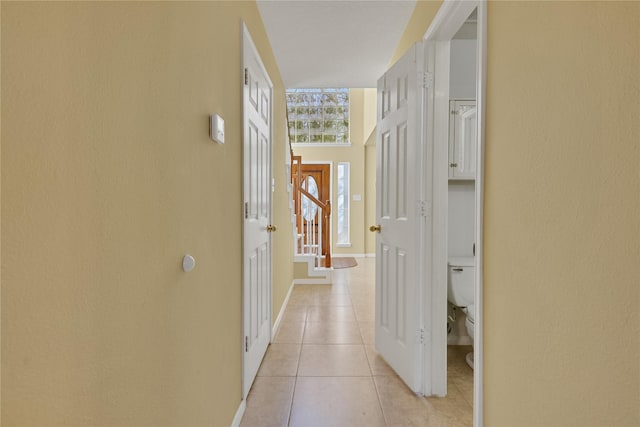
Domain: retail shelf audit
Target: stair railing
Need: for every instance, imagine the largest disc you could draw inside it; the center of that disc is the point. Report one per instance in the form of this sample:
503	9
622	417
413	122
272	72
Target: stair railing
313	236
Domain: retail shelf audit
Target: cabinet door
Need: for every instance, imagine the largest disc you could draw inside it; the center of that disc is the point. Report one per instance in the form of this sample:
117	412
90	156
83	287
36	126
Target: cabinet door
462	140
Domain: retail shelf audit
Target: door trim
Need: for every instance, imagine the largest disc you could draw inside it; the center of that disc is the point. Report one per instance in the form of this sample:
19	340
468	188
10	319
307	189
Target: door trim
445	24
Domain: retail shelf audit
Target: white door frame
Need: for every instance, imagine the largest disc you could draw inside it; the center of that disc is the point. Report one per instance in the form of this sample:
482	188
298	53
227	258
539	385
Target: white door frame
450	17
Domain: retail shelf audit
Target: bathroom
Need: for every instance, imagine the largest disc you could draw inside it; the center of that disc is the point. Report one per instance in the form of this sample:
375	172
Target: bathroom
461	186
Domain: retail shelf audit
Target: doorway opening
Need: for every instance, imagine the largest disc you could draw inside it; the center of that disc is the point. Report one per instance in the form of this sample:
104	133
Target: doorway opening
456	58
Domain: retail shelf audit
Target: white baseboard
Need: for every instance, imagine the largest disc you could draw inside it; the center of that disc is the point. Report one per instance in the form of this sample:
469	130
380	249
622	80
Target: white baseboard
318	281
373	255
317	276
239	414
276	324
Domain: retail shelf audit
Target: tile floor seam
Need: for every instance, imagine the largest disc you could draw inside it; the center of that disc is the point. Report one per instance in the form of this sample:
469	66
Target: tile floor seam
295	380
333	376
384	413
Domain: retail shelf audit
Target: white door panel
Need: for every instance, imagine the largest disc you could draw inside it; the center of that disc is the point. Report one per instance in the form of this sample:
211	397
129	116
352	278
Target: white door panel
397	288
257	211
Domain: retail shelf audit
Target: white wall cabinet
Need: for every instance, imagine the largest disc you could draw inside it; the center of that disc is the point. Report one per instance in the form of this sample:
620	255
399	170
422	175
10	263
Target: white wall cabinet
462	139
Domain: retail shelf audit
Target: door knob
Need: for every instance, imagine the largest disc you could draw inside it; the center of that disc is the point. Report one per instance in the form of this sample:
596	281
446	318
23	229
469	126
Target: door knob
377	228
271	228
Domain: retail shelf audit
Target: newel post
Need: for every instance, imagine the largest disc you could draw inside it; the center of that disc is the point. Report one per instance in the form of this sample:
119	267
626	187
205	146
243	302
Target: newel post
327	235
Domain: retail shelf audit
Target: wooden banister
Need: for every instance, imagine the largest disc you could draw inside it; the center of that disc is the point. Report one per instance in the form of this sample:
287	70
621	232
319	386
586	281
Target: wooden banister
297	178
313	199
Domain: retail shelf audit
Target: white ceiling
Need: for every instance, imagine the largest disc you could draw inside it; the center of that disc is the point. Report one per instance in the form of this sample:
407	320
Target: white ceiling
324	43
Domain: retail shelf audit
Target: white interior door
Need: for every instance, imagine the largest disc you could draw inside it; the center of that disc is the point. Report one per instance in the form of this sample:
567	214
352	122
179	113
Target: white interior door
397	326
257	122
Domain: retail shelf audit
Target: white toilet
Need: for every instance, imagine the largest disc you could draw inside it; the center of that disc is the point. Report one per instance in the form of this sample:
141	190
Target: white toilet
460	292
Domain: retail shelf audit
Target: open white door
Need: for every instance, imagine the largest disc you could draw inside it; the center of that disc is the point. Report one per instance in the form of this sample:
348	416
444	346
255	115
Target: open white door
257	136
399	335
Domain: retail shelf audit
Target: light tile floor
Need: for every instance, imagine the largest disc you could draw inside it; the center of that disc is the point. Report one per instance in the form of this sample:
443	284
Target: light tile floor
322	368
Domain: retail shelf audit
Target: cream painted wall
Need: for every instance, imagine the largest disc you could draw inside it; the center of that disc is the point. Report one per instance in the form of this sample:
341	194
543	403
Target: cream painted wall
562	332
422	16
370	192
360	121
369	116
108	179
568	244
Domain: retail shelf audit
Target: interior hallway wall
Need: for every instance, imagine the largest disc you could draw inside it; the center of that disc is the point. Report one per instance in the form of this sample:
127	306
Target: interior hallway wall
562	260
108	178
562	208
370	192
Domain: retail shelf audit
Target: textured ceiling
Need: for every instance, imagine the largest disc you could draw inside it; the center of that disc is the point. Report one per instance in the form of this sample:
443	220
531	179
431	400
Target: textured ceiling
334	43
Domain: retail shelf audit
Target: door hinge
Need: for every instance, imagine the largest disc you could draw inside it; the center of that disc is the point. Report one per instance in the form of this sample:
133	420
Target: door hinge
246	210
246	344
421	335
425	79
424	208
246	76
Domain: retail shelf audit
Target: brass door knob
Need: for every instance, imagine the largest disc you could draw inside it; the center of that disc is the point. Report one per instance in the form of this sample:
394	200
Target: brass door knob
271	228
374	228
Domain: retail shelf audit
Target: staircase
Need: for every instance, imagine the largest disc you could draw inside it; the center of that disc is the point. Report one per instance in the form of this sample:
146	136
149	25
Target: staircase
311	220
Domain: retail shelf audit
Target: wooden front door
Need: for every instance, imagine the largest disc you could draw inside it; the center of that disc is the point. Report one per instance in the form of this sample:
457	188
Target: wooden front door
314	176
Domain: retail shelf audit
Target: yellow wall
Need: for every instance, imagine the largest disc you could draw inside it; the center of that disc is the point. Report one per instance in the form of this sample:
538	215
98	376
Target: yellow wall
108	179
370	117
369	114
422	16
562	258
360	121
562	214
370	192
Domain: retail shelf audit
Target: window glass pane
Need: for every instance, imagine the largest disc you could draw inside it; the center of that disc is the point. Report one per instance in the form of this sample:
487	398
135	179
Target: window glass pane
309	209
343	203
322	115
329	138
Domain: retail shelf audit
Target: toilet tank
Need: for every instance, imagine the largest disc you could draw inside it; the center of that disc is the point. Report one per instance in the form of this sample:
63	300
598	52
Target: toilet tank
460	276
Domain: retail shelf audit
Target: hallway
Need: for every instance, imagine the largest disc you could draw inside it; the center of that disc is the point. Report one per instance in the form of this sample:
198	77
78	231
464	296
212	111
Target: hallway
322	368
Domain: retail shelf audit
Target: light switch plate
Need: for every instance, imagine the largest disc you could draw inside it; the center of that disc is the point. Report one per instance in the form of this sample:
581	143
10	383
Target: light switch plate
216	128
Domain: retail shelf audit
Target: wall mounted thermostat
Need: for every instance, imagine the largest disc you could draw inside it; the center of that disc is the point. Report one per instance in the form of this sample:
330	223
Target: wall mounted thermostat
216	128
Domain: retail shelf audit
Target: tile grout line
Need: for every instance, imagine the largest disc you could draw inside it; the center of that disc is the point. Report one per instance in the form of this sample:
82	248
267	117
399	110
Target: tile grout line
384	414
373	380
295	381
